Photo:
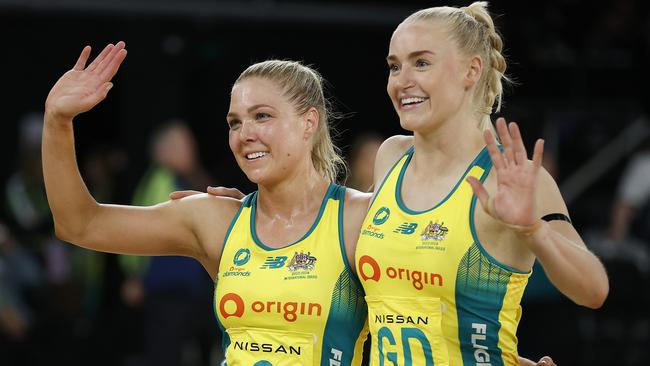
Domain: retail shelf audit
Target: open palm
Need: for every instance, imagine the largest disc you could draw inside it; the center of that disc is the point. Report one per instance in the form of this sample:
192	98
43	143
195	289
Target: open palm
514	202
83	87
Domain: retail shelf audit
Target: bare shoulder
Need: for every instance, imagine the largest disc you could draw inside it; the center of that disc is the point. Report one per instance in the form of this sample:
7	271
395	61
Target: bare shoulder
389	152
356	203
210	217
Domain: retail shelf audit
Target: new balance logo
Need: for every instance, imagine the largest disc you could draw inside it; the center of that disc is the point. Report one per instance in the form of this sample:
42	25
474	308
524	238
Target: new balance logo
274	262
406	228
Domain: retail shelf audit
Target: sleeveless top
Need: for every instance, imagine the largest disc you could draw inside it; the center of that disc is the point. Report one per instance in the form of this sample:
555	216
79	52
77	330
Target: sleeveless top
296	305
435	296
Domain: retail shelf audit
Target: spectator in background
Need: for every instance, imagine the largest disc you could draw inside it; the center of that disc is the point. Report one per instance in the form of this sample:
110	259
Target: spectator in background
174	291
362	161
630	214
19	275
26	203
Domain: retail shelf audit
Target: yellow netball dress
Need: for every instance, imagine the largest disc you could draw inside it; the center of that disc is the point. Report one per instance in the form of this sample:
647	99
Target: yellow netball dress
299	305
435	296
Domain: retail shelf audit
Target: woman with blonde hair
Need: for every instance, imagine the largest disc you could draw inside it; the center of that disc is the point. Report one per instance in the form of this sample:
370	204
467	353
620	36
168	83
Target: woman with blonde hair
281	260
454	273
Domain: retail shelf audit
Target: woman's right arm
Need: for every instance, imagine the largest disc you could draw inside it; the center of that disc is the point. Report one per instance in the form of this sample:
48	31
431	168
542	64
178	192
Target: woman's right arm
166	229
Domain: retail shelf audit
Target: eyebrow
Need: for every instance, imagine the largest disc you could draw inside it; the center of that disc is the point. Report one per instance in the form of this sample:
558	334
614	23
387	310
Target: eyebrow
411	55
250	109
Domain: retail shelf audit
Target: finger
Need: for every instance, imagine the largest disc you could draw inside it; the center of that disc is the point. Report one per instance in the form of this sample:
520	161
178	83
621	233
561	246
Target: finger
114	65
103	64
226	192
546	361
102	55
493	149
506	141
538	153
182	194
102	91
517	144
480	193
83	57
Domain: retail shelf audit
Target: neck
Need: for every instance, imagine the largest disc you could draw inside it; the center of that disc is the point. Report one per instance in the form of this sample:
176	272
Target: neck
455	142
292	197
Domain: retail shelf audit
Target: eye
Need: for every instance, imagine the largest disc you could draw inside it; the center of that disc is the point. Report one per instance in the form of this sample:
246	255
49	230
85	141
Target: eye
234	123
262	116
422	63
393	68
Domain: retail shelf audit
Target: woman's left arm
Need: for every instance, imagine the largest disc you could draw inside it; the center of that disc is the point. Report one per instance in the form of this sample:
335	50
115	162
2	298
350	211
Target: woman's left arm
525	192
570	266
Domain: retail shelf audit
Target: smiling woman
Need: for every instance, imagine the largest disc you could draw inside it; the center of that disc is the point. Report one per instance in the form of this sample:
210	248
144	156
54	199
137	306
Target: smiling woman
286	292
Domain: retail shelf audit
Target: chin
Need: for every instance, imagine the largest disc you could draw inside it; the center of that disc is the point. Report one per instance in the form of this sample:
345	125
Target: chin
411	124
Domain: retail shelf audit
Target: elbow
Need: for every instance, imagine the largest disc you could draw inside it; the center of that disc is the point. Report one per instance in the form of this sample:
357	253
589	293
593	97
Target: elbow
597	296
74	227
62	233
69	233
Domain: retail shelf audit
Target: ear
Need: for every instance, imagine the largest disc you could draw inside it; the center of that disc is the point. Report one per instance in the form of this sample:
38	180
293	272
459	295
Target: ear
312	119
474	70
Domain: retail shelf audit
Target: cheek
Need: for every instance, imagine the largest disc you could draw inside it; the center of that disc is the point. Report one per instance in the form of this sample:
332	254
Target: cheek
390	88
232	142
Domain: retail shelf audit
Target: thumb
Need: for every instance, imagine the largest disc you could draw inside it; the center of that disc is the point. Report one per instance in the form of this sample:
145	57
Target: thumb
480	193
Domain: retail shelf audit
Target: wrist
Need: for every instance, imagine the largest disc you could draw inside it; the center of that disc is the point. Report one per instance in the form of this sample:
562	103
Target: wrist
533	235
53	118
526	230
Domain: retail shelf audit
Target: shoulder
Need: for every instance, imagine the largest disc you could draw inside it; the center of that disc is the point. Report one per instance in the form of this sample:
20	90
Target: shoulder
356	202
389	152
394	147
202	209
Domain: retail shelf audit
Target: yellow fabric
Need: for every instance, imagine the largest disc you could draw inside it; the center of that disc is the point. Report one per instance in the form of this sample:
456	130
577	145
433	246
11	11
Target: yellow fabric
279	295
434	255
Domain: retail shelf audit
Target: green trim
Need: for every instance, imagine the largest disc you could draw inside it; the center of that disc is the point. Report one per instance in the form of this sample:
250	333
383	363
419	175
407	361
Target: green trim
340	196
472	227
374	196
480	302
330	191
478	160
245	203
225	338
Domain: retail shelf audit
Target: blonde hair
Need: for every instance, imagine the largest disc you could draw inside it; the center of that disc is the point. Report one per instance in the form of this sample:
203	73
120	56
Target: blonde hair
473	30
303	86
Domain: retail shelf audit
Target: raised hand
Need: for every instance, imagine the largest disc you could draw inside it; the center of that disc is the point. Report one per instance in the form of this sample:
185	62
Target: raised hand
83	87
514	202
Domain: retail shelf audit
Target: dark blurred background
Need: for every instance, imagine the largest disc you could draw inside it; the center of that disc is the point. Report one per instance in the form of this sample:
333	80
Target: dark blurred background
581	83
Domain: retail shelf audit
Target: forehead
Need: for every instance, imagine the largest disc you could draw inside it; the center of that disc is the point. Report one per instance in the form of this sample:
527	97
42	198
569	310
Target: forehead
253	91
430	35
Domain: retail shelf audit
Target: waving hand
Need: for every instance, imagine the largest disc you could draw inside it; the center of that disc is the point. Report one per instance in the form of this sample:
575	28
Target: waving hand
514	202
83	87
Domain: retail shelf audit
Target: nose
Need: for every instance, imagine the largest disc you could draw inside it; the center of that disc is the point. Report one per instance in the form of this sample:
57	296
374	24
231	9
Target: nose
247	131
404	79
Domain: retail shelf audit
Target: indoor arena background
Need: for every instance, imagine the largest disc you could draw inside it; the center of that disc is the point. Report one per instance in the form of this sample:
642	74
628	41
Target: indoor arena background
581	77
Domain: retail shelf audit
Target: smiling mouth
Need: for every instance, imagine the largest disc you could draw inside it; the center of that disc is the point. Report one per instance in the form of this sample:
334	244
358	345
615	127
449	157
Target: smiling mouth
412	102
256	155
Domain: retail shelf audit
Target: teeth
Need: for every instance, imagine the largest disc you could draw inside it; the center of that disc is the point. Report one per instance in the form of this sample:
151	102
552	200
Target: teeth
412	100
255	155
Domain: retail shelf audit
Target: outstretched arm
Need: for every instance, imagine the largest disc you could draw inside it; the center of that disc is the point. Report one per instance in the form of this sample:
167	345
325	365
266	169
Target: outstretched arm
78	218
523	196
